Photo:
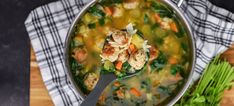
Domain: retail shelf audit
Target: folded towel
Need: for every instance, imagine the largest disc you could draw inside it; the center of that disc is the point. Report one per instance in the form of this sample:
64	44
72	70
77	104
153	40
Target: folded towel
47	27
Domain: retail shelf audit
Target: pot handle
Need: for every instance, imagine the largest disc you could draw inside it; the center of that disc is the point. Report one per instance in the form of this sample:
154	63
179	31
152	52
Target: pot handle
180	3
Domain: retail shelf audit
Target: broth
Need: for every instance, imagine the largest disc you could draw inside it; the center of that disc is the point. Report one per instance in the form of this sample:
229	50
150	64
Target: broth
168	64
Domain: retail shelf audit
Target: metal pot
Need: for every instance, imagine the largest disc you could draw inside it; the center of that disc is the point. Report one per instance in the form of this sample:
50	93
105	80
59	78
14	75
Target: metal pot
170	101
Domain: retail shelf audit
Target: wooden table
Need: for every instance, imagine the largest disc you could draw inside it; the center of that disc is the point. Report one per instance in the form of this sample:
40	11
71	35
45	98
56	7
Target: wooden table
39	95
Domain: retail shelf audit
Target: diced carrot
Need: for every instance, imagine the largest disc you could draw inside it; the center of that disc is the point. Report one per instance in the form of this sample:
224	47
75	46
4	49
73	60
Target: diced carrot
153	52
108	11
120	93
173	60
117	84
135	92
118	65
173	27
157	18
132	48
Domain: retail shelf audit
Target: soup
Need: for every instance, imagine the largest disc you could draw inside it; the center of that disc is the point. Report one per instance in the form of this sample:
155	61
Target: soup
166	64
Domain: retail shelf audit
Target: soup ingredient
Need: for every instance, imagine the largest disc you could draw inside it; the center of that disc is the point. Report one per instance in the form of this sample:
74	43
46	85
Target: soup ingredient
217	77
135	92
118	11
158	63
105	30
90	80
130	4
126	49
80	54
138	59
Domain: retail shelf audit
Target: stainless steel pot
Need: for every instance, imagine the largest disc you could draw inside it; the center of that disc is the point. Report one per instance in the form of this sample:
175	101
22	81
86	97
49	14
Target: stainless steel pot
171	100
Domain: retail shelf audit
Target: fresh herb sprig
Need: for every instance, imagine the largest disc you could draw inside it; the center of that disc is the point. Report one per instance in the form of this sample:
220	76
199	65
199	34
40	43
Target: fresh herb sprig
218	76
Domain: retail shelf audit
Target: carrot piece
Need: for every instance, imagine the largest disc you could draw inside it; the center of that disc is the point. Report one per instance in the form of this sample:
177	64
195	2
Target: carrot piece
120	93
135	92
173	27
118	65
132	48
173	60
157	18
108	11
117	84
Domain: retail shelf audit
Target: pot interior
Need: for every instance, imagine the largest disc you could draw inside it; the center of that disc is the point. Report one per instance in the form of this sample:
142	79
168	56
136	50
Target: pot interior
178	44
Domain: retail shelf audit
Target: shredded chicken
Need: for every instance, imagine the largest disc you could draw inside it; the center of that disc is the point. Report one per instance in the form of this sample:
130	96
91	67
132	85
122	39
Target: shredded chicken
138	59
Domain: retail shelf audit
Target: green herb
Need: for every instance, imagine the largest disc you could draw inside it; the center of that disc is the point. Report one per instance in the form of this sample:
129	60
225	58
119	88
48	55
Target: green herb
154	26
96	12
184	46
217	77
146	19
92	25
164	89
111	2
159	63
126	66
146	84
109	66
101	21
161	9
176	68
181	30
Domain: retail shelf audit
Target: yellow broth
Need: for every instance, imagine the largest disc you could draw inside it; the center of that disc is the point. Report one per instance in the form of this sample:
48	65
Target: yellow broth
162	76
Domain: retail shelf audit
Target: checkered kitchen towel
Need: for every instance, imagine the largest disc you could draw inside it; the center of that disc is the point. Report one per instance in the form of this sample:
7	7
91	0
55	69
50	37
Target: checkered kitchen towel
47	26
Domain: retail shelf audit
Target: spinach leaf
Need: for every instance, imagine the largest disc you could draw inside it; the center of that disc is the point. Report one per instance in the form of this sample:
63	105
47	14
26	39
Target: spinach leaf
164	90
159	63
161	9
111	2
177	68
75	66
92	25
154	26
96	12
146	84
101	21
184	46
146	19
181	30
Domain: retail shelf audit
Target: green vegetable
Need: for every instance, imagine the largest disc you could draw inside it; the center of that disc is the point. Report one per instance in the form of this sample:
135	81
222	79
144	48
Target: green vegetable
146	84
164	90
111	2
109	66
159	63
92	25
126	66
101	21
217	77
161	9
154	26
137	40
184	46
159	41
176	68
181	31
96	11
146	19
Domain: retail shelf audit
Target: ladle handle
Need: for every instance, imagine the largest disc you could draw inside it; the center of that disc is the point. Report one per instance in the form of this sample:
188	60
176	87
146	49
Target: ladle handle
92	98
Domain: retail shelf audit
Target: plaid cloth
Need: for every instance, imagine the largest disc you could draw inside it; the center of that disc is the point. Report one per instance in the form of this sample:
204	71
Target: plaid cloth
47	27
